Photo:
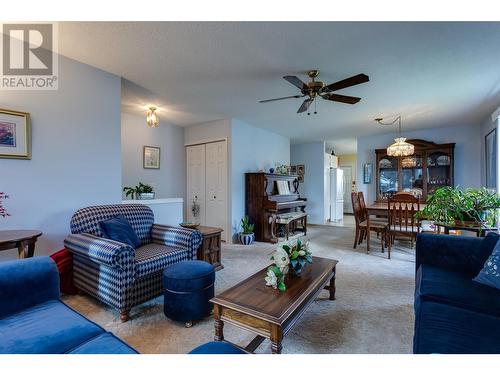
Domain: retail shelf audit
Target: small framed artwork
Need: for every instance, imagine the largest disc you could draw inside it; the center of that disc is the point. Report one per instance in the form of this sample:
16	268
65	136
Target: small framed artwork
490	148
301	171
293	169
15	134
151	157
367	173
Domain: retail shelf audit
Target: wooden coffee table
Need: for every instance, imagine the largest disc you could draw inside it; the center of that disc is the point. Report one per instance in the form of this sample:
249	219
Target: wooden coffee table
268	312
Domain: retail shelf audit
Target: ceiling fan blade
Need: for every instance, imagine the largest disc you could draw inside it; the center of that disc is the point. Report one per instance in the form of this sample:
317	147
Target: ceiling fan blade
305	105
348	82
341	98
294	80
285	97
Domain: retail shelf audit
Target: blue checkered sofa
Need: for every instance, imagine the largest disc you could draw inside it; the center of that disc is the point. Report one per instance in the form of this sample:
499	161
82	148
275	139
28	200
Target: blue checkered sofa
114	272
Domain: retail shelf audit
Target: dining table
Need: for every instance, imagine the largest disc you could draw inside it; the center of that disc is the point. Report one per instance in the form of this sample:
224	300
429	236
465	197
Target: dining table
380	208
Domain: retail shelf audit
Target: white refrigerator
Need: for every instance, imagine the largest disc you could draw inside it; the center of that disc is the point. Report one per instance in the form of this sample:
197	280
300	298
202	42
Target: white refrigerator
336	194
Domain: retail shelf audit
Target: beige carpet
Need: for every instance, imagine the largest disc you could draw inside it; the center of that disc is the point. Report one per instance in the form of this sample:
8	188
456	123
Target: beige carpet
372	314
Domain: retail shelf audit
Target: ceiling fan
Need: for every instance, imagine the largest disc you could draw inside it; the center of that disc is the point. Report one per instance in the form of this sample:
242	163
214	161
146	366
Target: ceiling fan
314	88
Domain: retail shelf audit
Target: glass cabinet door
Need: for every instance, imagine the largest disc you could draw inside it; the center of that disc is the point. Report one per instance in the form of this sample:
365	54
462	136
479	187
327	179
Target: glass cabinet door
411	175
388	176
438	170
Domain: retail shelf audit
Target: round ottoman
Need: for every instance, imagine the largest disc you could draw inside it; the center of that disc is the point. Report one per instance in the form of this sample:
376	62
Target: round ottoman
188	286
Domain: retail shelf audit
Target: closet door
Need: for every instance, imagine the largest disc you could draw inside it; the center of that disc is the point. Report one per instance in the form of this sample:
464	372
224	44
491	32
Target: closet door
195	184
216	185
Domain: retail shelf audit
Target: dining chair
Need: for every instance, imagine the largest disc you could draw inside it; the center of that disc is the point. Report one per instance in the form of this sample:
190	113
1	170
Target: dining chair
362	203
401	213
364	225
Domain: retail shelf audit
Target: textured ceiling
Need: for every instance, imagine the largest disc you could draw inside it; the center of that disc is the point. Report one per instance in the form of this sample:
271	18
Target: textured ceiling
435	74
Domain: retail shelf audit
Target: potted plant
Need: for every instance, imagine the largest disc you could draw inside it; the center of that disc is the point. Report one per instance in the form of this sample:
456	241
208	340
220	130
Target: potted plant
450	205
246	236
141	191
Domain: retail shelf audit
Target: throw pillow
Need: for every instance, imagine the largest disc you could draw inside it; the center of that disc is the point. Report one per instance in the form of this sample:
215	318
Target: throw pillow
119	229
490	274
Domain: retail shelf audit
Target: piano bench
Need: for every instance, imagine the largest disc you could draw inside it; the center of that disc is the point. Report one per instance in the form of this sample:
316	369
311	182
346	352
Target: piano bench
288	220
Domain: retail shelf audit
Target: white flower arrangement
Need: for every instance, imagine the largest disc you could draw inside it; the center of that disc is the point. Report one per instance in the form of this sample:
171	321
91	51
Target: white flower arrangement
287	255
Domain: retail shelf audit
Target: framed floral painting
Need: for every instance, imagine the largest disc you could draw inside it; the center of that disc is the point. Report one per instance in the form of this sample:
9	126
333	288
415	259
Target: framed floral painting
15	134
151	157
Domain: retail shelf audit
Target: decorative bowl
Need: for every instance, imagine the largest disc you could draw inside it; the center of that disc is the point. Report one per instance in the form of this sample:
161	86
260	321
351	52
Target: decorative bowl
443	160
189	225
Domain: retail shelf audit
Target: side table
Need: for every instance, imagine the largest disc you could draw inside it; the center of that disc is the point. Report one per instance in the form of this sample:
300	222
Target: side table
210	249
22	240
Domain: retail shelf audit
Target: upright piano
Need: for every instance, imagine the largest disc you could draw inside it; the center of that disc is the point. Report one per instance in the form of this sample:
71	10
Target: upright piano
267	208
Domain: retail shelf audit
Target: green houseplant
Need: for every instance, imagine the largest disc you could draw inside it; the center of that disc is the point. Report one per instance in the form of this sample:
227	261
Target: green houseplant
141	191
450	205
246	236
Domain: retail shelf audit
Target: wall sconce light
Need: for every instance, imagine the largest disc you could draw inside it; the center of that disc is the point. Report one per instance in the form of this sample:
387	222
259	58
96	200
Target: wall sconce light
152	118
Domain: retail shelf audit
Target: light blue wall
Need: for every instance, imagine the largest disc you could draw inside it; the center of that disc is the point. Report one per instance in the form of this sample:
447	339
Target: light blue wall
170	180
252	149
467	153
312	155
76	158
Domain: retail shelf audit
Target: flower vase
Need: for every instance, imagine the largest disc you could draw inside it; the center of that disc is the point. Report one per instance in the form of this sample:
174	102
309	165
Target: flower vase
296	271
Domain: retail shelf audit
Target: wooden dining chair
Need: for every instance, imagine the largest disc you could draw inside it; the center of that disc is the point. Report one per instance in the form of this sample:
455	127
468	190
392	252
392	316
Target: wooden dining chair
364	226
401	213
362	203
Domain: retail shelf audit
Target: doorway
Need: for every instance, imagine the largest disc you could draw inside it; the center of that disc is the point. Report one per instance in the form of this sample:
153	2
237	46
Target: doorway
347	188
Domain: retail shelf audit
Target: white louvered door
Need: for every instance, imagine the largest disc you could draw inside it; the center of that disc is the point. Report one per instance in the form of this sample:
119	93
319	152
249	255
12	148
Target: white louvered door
206	181
195	184
216	185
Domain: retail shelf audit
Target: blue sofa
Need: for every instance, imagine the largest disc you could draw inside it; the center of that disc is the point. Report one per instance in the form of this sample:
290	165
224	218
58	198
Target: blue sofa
33	320
453	313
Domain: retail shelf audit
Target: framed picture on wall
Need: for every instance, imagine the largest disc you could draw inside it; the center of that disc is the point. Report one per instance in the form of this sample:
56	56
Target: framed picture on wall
151	157
490	148
15	134
367	173
301	171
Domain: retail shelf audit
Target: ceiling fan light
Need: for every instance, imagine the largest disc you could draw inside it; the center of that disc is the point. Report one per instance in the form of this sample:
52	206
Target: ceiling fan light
400	148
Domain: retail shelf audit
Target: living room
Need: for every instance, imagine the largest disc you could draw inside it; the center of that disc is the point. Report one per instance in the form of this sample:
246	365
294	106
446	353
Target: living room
297	187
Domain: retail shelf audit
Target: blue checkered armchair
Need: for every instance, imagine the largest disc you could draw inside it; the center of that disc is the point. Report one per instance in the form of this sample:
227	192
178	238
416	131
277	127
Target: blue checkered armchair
114	272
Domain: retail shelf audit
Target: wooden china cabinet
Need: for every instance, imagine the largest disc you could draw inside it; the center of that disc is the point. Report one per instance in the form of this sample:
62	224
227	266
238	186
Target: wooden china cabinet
429	168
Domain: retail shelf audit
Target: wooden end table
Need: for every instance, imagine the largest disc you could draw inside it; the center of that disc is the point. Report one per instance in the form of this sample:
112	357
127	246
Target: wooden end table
210	248
22	240
481	230
268	312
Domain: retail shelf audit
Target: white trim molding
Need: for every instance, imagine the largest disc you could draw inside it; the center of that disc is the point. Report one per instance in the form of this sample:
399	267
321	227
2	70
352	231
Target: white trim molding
495	114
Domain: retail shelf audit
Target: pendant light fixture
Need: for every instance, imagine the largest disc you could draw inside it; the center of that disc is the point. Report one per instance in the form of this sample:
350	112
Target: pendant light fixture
152	118
400	147
408	162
